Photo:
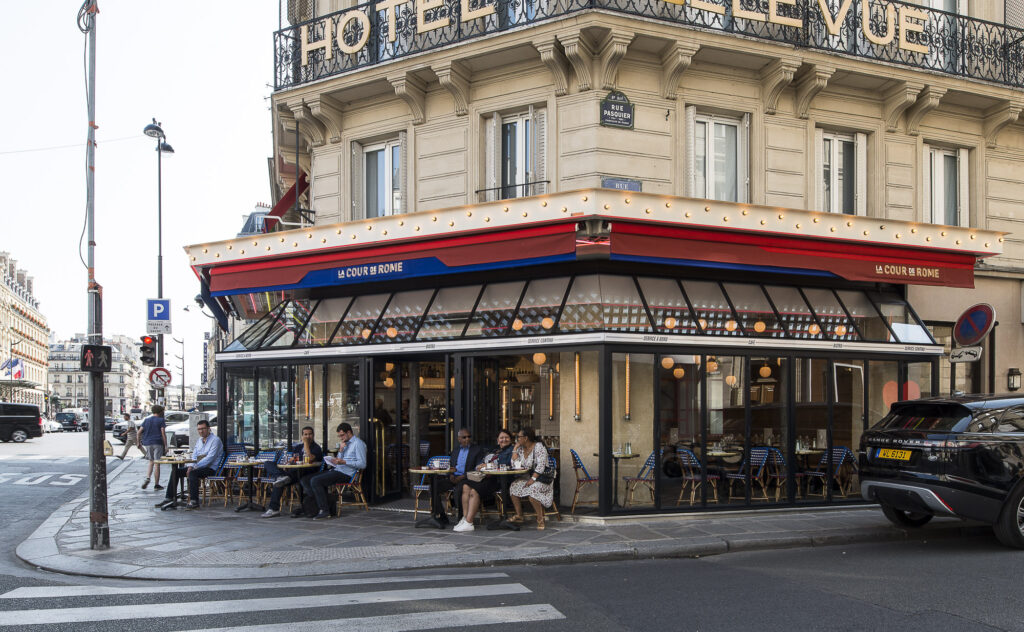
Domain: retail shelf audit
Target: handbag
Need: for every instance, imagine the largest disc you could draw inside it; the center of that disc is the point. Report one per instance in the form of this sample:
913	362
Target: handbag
475	476
546	477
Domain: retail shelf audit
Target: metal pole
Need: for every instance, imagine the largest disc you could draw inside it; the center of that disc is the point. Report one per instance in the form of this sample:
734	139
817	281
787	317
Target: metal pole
159	245
99	529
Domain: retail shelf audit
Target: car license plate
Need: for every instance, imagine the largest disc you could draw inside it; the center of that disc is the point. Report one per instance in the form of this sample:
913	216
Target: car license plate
896	455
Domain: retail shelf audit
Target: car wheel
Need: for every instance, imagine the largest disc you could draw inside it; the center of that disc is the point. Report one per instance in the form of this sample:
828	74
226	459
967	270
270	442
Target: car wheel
1010	526
19	436
902	518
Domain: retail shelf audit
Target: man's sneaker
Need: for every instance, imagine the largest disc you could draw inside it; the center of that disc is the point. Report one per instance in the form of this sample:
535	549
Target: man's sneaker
192	506
145	483
162	503
323	515
281	481
464	526
270	513
158	487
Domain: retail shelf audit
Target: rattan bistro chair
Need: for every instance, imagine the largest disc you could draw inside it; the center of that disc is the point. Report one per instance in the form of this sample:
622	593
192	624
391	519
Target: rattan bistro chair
756	466
583	478
266	482
844	466
355	487
644	477
433	463
694	475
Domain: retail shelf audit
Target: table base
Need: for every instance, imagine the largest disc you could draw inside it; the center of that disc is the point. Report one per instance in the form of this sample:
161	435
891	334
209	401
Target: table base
251	506
502	524
432	522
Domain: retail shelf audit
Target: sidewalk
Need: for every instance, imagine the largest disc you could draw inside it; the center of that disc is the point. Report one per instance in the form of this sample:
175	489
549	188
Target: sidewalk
217	543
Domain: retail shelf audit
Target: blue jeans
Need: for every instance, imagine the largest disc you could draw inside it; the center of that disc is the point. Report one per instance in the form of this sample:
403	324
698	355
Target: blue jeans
318	484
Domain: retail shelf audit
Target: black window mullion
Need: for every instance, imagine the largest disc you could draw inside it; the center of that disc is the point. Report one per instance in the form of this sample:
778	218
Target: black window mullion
643	301
565	297
885	321
918	321
519	304
380	317
849	316
472	311
778	314
694	316
423	317
732	308
272	316
305	324
334	333
814	313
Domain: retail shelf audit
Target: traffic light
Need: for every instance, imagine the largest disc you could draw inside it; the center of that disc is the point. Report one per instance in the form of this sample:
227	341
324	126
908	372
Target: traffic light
148	350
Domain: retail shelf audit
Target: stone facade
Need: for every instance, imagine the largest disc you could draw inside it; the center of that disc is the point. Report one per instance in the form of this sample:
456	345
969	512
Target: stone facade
23	336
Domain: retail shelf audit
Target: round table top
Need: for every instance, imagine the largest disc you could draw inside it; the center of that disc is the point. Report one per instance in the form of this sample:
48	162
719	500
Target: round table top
245	463
723	453
503	472
295	466
175	461
810	451
616	455
414	470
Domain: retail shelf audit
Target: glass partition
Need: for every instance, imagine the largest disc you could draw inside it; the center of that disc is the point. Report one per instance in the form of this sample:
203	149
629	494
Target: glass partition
240	405
496	309
897	313
811	429
583	306
623	309
286	323
831	315
713	311
769	429
870	324
634	462
683	469
402	317
757	318
668	307
448	313
848	424
254	334
309	399
541	303
344	395
360	320
324	321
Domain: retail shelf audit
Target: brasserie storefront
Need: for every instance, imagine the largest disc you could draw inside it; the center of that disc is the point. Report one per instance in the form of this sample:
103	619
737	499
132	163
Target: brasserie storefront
693	354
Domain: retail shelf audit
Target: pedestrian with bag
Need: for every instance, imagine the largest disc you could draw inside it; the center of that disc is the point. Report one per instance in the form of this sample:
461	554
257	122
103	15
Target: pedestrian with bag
131	437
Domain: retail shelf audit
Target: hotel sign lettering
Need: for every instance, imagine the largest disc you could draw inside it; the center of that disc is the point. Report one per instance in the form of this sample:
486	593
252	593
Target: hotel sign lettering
881	23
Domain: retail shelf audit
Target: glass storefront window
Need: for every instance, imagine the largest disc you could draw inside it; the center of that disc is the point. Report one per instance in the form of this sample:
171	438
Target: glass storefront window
725	451
251	337
831	316
287	322
906	327
668	307
622	306
240	406
496	308
769	429
324	321
583	306
402	317
361	318
448	313
343	399
274	399
757	318
871	326
683	472
633	430
538	312
713	311
308	409
811	424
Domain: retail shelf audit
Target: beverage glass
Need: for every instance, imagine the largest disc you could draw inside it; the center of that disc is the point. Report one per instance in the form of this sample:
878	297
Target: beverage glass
305	459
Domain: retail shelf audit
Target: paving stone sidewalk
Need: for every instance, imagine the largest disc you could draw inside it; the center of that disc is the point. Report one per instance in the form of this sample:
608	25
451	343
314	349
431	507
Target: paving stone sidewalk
218	543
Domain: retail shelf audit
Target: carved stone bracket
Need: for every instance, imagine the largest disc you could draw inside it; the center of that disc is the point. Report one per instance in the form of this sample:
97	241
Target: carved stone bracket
774	79
927	101
999	116
413	92
674	62
454	78
328	112
309	126
580	56
809	85
556	62
897	100
613	49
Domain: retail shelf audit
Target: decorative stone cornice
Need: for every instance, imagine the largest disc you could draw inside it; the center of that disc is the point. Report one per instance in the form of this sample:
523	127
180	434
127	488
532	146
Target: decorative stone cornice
674	62
413	92
927	101
897	100
774	79
556	62
809	85
580	56
328	112
309	126
613	49
454	78
999	116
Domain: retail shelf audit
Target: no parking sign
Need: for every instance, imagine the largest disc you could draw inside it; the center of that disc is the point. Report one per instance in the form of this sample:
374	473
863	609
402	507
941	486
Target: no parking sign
974	324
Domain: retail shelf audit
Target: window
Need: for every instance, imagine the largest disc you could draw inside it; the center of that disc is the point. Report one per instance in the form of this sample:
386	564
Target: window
379	178
945	186
716	156
842	181
516	148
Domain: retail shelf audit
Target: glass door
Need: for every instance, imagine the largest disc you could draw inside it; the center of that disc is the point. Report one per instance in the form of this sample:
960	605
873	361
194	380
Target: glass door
274	401
240	405
390	445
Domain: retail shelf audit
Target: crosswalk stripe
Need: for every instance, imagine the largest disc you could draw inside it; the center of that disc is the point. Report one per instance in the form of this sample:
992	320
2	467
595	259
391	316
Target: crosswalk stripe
207	608
432	620
52	592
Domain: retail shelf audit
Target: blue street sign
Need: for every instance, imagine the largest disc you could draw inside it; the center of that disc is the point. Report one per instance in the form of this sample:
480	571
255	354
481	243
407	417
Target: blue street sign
158	309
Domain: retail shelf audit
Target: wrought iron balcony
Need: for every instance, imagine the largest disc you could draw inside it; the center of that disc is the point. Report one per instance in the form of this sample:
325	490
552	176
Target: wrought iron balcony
892	32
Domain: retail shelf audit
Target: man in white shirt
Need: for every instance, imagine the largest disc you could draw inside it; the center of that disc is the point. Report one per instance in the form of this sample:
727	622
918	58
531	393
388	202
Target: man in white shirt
351	458
207	454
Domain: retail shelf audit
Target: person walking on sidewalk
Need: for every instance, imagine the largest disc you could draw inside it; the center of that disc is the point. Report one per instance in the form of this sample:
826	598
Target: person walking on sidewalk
282	481
154	443
131	437
207	453
351	458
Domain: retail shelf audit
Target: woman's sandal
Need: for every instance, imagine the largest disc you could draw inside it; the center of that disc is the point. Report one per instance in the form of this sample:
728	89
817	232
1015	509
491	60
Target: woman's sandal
540	523
516	518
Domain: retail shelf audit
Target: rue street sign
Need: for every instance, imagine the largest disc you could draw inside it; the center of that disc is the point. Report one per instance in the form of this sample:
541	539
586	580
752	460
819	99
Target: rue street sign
974	324
617	111
158	316
159	377
965	354
95	358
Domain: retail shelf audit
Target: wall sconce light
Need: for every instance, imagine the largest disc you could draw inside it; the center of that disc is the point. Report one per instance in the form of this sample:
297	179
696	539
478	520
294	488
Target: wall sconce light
576	404
626	416
504	405
1013	379
551	395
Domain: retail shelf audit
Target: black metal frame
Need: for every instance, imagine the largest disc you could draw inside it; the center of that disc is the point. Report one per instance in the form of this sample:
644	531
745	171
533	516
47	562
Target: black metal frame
958	45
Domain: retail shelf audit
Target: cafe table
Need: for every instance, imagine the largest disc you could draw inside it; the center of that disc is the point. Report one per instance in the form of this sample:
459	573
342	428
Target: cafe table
176	462
505	477
250	465
437	518
616	457
299	466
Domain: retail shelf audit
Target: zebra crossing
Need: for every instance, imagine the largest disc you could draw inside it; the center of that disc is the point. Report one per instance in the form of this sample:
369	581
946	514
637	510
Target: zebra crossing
391	603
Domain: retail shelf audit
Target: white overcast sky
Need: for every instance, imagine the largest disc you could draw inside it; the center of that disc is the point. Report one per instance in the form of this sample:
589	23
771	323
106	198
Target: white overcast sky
202	68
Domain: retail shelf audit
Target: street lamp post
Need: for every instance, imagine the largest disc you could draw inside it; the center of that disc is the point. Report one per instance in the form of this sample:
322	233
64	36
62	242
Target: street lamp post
154	130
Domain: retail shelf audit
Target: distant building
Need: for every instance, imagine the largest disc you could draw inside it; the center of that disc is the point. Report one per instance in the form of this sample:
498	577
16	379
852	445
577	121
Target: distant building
23	336
123	387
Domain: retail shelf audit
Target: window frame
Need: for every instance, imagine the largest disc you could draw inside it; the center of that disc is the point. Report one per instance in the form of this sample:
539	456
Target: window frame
859	167
742	124
390	147
934	185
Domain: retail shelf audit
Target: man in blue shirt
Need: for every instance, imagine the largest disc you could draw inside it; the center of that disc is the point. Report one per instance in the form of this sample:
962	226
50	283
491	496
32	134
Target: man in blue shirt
351	459
153	439
207	454
299	451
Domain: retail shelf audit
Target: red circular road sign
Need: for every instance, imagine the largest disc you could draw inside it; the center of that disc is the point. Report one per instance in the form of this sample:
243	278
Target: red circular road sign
974	324
159	377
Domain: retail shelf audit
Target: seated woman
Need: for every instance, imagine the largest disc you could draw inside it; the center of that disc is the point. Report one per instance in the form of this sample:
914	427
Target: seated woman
473	492
532	456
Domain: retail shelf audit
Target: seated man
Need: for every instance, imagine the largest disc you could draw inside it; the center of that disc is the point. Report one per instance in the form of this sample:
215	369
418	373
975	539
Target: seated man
351	458
464	458
207	453
282	480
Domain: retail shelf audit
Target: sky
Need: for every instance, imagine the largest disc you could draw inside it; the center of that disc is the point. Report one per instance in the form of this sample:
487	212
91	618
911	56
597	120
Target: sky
205	71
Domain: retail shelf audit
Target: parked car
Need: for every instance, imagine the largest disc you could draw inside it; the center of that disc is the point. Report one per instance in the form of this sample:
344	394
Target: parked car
72	422
108	423
52	425
19	422
959	456
120	431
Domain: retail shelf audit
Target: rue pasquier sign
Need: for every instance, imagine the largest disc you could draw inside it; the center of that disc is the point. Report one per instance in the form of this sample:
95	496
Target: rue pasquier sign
617	111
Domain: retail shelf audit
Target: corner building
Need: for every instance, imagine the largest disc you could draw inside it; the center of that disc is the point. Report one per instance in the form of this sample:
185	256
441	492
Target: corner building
702	245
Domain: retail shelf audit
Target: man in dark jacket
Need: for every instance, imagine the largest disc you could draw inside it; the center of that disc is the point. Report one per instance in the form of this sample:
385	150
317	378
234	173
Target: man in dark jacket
464	459
282	480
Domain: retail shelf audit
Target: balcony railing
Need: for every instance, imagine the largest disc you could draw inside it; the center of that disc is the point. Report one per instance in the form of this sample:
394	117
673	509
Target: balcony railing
893	32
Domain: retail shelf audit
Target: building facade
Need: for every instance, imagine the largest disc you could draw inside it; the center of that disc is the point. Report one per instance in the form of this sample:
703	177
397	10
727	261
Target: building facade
804	196
124	387
23	337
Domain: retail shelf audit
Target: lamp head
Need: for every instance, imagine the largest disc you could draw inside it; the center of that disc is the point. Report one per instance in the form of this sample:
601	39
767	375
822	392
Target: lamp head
165	148
153	130
199	300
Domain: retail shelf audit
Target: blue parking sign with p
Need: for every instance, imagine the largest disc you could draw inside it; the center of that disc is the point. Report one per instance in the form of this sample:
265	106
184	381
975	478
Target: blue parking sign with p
158	309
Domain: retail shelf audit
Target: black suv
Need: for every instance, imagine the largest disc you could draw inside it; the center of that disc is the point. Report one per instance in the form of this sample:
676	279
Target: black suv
960	456
18	422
